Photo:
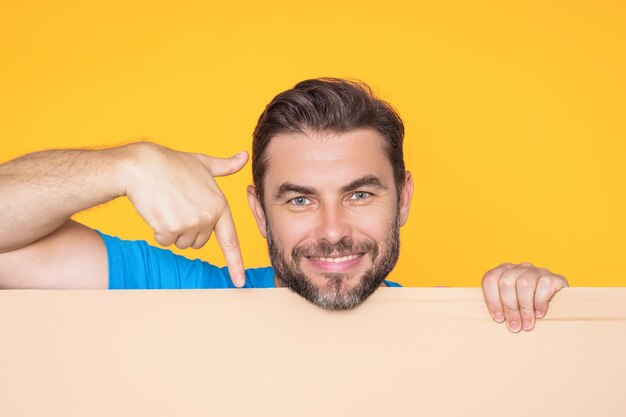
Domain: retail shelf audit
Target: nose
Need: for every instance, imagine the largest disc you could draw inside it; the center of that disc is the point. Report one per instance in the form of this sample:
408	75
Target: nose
333	224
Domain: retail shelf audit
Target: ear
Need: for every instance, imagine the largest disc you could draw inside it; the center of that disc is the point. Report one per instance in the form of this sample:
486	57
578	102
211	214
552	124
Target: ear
405	197
257	210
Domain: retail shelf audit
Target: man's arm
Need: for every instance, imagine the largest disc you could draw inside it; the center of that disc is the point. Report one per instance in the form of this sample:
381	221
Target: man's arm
72	256
174	192
40	191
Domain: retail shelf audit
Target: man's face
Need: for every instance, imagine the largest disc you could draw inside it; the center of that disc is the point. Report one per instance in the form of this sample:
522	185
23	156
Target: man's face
332	215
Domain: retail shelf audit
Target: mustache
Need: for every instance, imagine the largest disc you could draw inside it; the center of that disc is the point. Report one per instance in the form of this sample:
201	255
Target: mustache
345	246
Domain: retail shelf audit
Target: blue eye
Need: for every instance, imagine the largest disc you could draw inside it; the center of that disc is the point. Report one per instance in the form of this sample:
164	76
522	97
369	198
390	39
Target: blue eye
299	201
360	195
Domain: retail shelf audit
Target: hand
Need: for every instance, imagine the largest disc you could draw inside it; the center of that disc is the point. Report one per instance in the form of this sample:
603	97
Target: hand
176	194
520	293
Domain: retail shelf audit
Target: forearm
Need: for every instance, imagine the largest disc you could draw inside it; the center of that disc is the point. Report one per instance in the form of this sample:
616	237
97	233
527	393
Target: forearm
41	191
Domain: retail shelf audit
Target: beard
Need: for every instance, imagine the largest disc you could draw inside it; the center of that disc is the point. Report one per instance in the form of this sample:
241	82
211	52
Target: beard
335	294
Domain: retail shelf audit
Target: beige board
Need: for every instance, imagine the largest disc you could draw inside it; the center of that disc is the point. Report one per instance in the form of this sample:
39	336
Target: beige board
404	352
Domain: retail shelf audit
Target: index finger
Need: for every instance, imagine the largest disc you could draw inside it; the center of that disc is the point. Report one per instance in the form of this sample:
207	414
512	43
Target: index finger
229	243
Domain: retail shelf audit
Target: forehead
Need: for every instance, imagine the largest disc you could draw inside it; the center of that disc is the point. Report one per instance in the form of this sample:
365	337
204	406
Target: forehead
326	160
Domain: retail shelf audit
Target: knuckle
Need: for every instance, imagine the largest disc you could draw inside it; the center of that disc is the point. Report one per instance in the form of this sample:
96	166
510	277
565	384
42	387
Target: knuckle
525	283
544	280
527	312
173	228
206	216
180	244
198	245
163	240
562	279
553	281
200	241
217	205
229	163
506	283
222	204
489	279
511	312
511	275
492	276
231	242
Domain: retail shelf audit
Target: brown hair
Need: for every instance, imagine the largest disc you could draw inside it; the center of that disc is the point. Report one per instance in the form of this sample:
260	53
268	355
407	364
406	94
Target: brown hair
327	105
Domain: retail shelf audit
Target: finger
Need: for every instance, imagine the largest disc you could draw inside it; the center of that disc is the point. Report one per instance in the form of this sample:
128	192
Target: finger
547	286
165	239
526	285
229	242
205	233
202	238
186	240
224	166
508	295
491	291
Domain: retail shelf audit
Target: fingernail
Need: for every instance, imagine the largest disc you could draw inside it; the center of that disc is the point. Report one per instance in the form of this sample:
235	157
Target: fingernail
240	281
527	325
240	154
514	326
499	317
538	314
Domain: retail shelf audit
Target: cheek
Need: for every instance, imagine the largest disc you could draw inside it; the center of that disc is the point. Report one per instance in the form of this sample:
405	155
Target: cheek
289	230
376	228
375	221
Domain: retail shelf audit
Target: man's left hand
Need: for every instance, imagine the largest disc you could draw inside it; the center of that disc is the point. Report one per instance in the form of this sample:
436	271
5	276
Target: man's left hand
520	293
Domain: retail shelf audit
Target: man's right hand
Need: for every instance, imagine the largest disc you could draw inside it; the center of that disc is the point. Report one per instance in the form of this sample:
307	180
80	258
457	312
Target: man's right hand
176	194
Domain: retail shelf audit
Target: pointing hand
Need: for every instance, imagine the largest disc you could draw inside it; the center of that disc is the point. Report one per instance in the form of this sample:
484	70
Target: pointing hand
176	194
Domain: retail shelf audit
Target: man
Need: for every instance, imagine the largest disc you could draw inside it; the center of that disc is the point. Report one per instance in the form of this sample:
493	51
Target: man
330	194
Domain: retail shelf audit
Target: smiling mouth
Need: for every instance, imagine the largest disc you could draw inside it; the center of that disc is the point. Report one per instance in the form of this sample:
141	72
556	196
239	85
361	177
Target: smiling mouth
337	263
337	259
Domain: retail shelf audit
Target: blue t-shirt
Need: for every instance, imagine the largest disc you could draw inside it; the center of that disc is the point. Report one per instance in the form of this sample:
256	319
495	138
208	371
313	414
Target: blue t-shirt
133	264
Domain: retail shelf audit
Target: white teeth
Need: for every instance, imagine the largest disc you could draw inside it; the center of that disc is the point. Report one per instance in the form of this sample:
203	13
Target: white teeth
338	260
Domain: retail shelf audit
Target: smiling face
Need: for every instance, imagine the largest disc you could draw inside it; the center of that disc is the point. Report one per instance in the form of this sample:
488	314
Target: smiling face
331	214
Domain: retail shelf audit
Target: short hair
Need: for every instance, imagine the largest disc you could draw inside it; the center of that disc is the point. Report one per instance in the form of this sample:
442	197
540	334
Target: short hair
327	105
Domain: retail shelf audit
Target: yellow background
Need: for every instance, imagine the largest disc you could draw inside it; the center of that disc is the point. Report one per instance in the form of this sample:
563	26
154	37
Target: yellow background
514	111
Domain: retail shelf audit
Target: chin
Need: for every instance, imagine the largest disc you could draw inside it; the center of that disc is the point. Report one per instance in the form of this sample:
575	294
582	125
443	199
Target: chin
329	301
339	292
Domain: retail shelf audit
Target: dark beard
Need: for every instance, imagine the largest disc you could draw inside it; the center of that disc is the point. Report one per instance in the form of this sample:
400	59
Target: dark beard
330	296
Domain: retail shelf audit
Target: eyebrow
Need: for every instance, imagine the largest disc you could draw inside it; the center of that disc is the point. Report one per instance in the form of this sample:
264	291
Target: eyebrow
366	181
290	188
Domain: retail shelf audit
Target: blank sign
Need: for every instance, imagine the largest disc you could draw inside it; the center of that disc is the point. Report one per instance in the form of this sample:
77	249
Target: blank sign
267	352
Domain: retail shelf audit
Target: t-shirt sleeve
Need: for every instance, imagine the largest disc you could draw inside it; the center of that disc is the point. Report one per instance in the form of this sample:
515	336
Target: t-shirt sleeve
134	264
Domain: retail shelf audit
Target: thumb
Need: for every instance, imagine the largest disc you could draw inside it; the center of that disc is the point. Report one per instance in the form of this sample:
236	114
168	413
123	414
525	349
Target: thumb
225	166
